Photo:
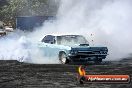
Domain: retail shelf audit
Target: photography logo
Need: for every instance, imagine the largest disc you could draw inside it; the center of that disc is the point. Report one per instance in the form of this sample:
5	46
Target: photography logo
82	77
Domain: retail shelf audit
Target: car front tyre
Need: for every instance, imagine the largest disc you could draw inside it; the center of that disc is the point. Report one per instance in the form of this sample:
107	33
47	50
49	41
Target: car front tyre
63	58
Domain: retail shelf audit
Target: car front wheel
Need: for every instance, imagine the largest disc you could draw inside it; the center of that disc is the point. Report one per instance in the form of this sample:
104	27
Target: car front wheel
63	58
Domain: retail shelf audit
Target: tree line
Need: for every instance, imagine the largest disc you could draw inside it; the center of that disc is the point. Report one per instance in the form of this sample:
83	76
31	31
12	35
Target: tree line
10	9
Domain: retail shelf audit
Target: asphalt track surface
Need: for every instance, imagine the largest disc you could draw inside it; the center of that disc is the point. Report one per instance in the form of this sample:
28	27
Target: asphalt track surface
14	74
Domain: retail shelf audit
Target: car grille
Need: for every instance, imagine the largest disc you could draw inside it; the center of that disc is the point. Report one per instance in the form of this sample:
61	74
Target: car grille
91	52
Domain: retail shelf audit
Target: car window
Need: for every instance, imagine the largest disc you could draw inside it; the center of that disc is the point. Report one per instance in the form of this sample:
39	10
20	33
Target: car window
49	39
71	40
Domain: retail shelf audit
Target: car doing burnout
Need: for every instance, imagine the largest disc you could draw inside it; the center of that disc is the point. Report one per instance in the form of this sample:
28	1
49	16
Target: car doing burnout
72	49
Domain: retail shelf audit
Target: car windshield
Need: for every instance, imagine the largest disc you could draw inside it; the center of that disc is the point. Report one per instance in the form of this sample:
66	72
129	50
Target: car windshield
71	40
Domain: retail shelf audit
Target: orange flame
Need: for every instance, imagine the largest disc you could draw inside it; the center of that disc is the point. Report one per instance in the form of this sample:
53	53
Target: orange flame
81	71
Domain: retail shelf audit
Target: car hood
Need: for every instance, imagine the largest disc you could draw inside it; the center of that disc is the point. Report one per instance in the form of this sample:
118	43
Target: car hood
87	47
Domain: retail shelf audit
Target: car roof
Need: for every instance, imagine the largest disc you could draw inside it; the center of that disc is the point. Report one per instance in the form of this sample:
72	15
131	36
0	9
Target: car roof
63	35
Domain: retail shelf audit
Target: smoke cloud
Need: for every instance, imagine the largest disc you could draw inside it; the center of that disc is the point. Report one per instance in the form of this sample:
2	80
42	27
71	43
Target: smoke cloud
23	49
109	22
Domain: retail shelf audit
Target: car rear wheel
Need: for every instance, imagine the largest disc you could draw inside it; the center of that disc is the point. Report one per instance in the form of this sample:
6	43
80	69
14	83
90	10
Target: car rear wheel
63	58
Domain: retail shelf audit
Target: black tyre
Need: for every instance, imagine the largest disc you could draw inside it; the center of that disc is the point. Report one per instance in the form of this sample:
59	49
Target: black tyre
63	58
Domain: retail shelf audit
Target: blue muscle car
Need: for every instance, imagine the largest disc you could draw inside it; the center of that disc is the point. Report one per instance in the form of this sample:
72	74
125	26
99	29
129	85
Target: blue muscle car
72	48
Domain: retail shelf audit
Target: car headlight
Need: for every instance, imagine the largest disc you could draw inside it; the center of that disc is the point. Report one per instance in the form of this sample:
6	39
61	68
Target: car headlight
74	52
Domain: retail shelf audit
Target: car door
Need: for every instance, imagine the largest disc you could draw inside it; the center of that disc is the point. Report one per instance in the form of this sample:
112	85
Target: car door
48	47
